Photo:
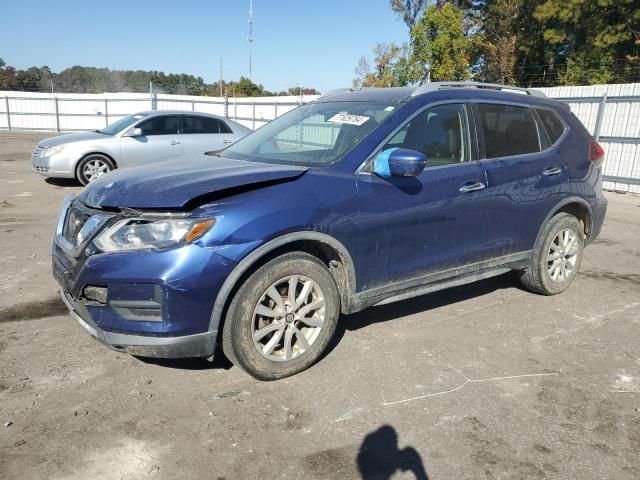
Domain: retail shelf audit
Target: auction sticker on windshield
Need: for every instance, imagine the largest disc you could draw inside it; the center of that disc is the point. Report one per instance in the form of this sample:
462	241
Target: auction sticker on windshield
349	119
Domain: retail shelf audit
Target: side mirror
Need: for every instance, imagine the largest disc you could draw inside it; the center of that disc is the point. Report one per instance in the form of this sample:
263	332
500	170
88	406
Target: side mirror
134	132
399	162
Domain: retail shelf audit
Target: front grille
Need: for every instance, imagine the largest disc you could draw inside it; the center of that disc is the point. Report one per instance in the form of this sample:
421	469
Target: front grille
37	150
41	169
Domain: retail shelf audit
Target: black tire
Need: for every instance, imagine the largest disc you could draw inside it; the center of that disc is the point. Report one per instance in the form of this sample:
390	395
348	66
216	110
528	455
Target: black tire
240	322
537	277
81	173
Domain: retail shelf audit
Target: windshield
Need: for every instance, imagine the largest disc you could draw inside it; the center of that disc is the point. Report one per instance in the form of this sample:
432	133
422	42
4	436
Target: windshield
314	134
121	124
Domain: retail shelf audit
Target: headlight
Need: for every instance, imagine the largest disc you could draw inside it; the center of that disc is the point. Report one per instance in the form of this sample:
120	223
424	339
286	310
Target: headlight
51	151
139	233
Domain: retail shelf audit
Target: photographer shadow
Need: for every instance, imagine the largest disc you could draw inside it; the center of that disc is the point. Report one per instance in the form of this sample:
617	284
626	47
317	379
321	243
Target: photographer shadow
379	457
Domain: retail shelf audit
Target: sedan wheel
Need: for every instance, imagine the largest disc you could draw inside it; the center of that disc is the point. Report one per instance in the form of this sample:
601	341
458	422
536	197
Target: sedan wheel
93	167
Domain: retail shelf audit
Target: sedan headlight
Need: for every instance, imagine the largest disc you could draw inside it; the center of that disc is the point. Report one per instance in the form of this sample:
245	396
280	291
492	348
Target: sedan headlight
140	233
51	151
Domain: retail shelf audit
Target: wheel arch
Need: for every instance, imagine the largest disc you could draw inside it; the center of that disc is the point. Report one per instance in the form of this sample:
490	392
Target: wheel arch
576	206
324	247
96	152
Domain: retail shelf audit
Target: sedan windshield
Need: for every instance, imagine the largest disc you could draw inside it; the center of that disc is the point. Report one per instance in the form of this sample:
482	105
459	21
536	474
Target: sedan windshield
121	124
314	134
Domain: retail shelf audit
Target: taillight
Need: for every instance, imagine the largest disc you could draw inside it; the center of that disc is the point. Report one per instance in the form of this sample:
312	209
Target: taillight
596	152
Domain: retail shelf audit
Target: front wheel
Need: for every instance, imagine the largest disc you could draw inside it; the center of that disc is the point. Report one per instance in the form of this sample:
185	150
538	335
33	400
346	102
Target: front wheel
93	167
282	318
556	256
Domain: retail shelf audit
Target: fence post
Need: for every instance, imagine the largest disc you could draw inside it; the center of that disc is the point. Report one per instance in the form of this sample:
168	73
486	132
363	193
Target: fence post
276	105
55	99
235	108
193	105
603	104
106	112
6	104
254	115
226	104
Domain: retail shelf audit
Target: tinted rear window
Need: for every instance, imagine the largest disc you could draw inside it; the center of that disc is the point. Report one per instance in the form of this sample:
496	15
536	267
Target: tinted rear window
508	130
552	124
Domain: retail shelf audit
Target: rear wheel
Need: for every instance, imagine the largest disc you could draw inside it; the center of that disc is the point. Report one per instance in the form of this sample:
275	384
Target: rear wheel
93	167
282	318
556	257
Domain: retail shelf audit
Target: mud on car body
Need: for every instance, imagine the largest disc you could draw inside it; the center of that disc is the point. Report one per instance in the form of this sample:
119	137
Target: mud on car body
358	199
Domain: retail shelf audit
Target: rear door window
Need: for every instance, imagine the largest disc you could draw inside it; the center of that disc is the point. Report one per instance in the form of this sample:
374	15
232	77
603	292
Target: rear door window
508	130
552	124
160	125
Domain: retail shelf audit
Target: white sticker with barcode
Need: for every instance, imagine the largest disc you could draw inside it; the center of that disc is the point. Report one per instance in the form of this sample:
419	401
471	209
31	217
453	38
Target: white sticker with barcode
349	119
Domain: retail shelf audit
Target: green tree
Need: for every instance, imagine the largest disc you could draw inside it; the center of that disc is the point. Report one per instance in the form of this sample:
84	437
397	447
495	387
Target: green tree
440	47
500	38
304	90
389	69
7	76
591	41
409	10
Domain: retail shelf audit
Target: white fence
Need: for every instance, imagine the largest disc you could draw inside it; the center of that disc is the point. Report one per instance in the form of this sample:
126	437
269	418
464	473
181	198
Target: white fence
610	112
64	112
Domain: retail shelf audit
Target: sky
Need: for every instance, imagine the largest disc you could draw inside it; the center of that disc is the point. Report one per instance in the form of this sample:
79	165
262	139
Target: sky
308	43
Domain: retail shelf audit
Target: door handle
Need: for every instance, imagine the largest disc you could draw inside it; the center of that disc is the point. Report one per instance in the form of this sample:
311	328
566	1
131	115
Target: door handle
549	171
472	187
227	141
174	142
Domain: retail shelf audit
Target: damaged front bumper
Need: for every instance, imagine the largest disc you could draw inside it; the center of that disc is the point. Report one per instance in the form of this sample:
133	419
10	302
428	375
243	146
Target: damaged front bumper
198	345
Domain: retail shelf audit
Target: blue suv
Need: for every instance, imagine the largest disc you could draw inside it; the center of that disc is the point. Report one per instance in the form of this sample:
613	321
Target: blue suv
361	198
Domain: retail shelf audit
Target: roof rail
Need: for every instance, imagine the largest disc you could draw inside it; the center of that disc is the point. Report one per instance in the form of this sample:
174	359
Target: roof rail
434	86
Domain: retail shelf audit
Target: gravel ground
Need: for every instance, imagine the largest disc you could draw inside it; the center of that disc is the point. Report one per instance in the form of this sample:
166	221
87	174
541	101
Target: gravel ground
481	381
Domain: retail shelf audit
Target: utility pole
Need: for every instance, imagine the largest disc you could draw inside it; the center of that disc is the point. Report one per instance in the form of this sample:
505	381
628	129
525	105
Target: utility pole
220	76
250	37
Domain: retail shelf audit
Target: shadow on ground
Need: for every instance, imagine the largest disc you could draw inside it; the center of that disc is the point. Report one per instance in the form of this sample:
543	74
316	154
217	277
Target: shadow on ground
219	362
62	182
380	458
423	303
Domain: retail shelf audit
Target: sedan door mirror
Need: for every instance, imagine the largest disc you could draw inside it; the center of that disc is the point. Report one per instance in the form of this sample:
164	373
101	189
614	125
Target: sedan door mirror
399	162
134	132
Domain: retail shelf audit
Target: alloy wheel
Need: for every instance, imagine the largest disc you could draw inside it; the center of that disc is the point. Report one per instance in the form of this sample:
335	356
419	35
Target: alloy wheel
288	318
562	255
94	169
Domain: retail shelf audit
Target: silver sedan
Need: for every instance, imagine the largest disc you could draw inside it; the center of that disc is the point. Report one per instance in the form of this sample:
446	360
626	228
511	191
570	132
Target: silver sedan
141	138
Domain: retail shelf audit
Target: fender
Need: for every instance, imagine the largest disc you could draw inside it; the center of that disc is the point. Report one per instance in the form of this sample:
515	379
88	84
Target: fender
562	203
257	254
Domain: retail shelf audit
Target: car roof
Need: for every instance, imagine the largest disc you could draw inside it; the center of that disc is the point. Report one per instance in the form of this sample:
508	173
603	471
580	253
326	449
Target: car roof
151	113
403	94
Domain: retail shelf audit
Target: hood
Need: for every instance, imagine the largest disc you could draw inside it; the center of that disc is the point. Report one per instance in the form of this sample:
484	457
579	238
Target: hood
72	137
173	184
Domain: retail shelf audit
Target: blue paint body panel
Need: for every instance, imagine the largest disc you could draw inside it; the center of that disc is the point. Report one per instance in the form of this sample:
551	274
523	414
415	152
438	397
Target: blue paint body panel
392	228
